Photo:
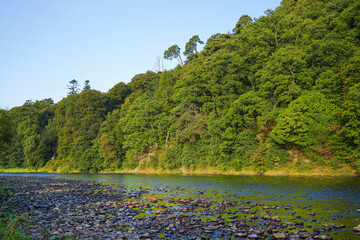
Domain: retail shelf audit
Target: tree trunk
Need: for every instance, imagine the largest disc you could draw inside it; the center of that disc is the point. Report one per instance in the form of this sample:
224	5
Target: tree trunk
181	61
167	138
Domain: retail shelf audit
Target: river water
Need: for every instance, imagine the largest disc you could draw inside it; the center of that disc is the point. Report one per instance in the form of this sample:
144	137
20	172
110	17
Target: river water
335	200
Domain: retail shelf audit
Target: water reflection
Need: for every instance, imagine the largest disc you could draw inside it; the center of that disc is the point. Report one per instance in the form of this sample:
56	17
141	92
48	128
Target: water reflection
312	189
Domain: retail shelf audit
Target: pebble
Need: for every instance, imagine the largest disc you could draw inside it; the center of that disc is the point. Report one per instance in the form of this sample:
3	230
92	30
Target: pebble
279	235
90	210
356	229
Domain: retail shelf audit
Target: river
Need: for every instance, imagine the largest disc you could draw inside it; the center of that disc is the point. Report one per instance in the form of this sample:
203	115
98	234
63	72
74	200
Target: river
334	200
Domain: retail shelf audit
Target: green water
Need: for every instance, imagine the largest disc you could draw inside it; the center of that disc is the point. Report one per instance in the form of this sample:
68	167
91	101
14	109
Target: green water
335	200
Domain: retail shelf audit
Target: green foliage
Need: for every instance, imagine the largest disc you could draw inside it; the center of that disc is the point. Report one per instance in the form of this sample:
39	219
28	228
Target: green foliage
142	126
73	87
165	88
191	50
187	123
5	130
191	45
244	20
86	85
9	229
269	155
14	156
306	120
30	147
139	82
276	155
285	82
259	159
314	155
28	124
356	155
246	112
285	75
243	148
171	158
77	121
118	93
173	52
350	117
111	151
194	155
90	161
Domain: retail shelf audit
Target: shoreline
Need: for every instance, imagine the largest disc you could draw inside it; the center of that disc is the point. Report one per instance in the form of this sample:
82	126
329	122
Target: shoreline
346	172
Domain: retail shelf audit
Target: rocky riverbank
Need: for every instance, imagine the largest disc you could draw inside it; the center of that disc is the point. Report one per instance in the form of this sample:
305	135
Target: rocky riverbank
73	209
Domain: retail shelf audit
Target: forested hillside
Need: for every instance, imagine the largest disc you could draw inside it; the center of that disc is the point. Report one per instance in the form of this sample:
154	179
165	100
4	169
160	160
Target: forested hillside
280	91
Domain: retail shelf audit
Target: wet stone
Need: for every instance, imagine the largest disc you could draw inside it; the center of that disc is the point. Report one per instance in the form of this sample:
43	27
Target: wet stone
89	210
278	235
242	234
304	234
252	236
356	229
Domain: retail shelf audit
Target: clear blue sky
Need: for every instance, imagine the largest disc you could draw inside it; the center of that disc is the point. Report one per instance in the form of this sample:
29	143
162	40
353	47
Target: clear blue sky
46	43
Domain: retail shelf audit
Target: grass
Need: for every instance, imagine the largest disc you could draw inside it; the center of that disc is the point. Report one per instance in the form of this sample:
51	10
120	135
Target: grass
9	230
288	170
291	169
65	236
9	222
16	170
313	170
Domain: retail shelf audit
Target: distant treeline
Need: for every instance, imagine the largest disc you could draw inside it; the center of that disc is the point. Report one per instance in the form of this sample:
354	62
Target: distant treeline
281	88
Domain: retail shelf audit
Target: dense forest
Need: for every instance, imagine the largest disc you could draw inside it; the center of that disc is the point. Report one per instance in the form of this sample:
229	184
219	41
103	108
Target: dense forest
281	90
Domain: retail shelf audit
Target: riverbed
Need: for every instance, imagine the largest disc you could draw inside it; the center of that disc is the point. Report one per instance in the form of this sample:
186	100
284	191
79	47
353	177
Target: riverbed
219	205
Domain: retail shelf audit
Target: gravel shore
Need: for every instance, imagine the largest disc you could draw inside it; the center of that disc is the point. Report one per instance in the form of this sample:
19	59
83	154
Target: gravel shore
73	209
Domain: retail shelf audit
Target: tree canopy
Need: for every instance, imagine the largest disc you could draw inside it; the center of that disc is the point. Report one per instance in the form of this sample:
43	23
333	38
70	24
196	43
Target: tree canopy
173	52
280	90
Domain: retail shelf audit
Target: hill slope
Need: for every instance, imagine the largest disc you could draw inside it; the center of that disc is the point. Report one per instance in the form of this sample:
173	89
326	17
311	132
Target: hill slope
280	92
